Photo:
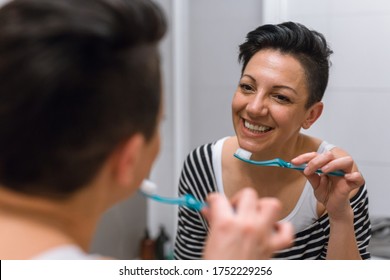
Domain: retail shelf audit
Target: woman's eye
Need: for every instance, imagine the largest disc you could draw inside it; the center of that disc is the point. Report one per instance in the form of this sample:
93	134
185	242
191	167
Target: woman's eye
246	88
282	98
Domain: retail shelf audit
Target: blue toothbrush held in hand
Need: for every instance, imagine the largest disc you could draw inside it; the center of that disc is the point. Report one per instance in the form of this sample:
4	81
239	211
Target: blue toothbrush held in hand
278	162
149	188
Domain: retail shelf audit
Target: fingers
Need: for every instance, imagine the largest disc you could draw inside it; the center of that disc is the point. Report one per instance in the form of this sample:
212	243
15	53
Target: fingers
282	236
270	209
304	158
245	201
330	161
327	162
246	228
318	182
244	204
219	207
281	233
333	192
356	178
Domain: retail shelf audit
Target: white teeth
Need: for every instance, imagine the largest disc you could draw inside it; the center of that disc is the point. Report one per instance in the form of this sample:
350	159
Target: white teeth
257	128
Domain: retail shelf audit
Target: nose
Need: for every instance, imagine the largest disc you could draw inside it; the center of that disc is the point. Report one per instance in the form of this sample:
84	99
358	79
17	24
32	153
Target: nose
257	105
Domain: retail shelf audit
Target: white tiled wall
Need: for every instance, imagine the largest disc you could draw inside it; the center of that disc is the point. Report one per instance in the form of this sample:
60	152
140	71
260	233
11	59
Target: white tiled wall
2	2
216	29
356	102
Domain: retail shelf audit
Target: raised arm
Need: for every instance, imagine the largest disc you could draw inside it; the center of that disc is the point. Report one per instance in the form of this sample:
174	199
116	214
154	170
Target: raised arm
348	238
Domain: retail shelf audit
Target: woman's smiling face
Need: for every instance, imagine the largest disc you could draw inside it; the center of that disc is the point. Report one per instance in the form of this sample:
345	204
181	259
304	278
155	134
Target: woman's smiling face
269	105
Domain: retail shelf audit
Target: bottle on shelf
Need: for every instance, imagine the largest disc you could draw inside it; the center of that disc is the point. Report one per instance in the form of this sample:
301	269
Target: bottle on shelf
147	247
161	244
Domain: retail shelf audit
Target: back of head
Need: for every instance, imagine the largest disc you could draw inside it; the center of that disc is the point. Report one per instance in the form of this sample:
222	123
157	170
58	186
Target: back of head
77	77
309	47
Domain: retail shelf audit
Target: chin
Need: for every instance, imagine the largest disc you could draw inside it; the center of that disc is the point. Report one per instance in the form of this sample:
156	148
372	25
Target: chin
247	145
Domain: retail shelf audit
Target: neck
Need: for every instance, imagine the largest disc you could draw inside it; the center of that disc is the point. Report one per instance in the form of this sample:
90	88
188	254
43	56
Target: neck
51	222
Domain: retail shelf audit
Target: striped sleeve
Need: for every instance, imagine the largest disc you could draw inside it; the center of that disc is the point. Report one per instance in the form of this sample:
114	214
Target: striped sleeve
197	178
362	222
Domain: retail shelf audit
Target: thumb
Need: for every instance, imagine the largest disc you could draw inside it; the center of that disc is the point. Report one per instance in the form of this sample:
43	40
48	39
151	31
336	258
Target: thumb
218	206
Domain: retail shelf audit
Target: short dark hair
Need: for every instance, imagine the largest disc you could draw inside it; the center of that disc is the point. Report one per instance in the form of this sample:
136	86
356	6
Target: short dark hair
309	47
77	77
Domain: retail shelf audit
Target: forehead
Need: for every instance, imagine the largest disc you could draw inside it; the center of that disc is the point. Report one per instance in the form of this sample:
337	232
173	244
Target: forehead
277	67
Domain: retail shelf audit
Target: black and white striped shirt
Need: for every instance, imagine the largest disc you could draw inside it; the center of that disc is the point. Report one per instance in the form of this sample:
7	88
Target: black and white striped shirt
198	179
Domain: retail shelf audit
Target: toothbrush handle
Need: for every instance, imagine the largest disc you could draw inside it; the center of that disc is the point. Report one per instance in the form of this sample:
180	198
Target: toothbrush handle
185	200
191	202
338	173
162	199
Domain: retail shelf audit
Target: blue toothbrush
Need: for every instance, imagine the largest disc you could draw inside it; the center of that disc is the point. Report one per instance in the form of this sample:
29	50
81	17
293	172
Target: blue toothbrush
245	156
148	188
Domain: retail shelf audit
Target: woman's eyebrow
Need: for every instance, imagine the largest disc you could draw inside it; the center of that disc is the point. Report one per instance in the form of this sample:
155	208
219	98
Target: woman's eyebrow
249	76
286	87
275	87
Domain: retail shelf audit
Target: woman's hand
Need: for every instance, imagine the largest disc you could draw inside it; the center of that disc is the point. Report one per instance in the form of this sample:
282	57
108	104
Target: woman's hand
333	192
246	228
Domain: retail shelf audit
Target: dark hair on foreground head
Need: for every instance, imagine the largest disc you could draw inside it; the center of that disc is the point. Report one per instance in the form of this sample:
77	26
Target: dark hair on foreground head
77	77
307	46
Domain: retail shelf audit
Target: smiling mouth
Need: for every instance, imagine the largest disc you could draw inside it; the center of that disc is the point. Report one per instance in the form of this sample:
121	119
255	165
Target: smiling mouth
257	128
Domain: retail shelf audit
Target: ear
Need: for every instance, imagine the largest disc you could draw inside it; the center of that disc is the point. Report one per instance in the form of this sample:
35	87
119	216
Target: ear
128	159
312	114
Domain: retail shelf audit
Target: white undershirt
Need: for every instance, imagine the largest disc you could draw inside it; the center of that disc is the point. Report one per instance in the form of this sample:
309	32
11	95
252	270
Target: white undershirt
66	252
304	212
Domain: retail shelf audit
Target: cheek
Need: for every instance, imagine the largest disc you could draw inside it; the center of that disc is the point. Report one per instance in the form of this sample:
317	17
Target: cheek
288	118
237	103
282	114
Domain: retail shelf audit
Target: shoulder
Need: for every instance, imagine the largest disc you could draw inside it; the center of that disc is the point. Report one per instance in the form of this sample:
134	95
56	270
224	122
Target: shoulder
323	146
202	151
205	150
339	152
308	143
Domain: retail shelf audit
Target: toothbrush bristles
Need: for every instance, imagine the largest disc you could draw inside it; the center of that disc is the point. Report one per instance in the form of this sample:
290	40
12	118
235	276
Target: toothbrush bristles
148	187
243	153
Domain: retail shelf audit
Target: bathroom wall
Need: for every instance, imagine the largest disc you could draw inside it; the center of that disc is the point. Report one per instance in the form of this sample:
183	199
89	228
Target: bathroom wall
2	2
120	230
216	29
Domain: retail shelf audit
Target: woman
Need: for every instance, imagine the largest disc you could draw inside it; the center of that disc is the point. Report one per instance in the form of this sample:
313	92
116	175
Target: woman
284	76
